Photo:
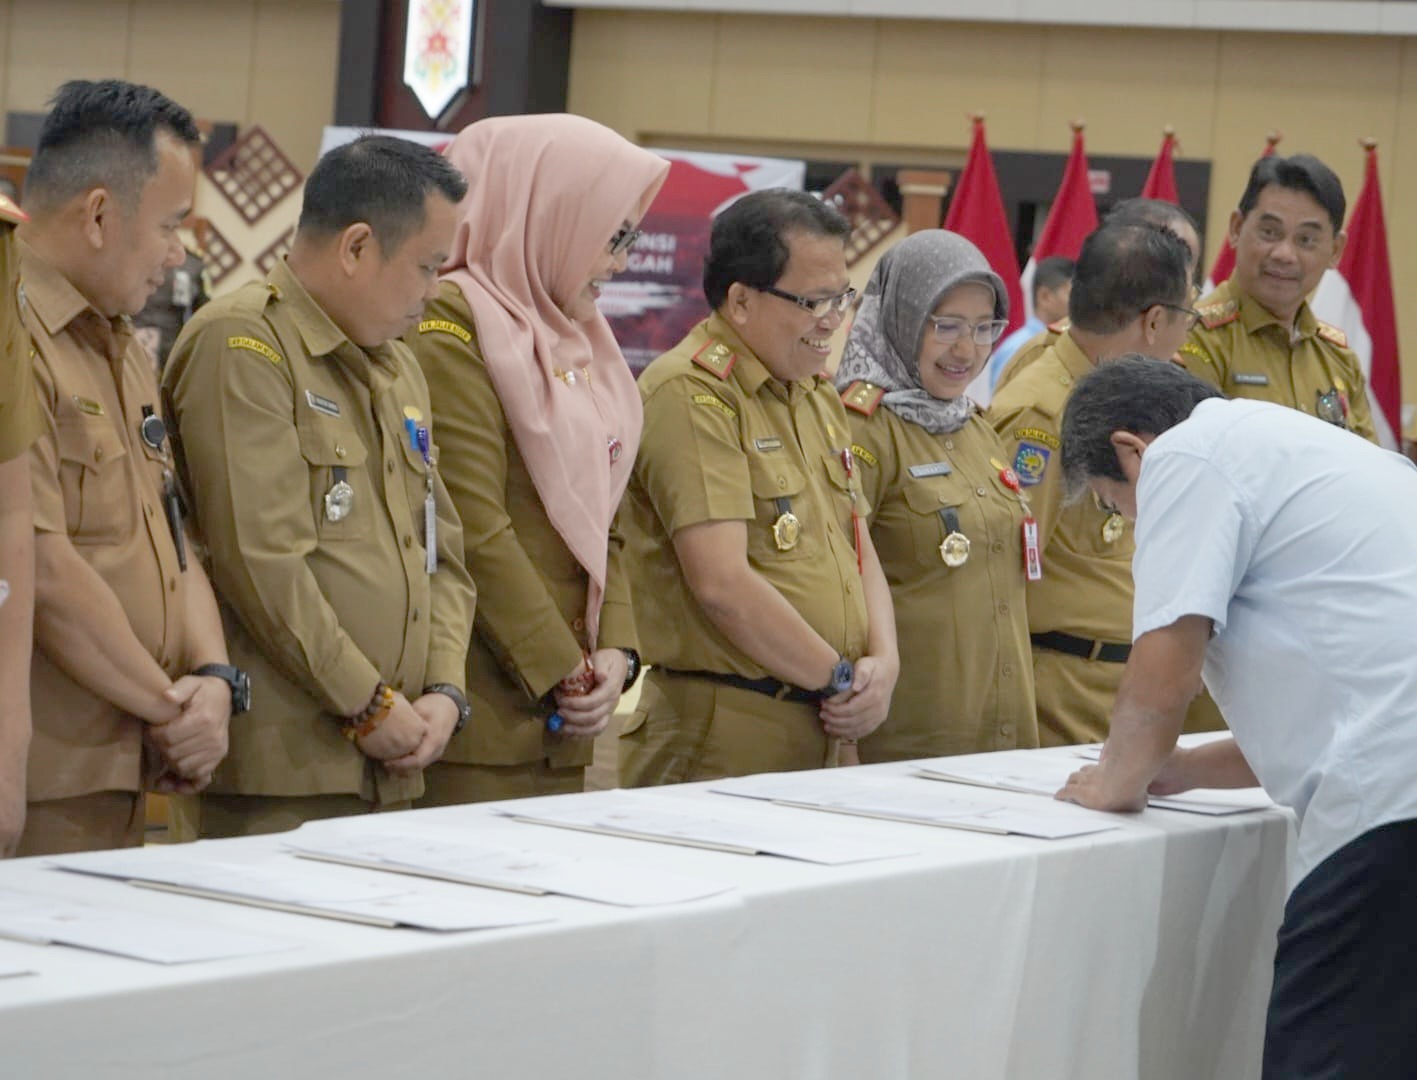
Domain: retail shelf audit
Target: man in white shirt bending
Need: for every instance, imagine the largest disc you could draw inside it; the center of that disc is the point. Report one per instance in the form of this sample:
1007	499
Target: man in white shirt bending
1277	558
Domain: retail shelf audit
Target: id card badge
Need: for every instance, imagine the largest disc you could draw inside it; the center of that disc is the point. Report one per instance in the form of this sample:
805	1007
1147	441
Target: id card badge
430	530
1032	556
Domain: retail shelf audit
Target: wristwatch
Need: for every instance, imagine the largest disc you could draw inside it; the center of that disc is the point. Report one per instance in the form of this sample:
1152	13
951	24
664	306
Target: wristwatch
235	678
632	669
448	690
842	676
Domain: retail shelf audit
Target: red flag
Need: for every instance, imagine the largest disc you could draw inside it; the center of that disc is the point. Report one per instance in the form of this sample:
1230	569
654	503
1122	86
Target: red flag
1224	264
1070	221
1357	298
1161	181
977	213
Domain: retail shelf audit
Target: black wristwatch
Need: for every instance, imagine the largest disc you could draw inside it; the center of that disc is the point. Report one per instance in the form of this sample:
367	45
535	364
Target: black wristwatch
448	690
632	669
843	674
235	678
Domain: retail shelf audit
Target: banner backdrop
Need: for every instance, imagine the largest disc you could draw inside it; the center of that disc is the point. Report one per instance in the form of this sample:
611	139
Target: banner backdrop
660	296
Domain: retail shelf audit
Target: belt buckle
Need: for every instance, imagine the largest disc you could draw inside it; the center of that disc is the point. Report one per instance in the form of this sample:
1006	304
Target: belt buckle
1097	647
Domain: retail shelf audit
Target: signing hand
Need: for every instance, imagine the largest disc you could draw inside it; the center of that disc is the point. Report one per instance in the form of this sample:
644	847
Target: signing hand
1095	787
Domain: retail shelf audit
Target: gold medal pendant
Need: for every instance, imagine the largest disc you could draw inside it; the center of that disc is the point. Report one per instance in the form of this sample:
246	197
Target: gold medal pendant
954	549
1113	528
786	531
339	501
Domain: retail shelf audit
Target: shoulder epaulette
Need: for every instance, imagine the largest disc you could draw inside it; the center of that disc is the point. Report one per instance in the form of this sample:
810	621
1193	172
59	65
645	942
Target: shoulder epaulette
1061	326
1333	334
717	358
863	397
11	212
1214	315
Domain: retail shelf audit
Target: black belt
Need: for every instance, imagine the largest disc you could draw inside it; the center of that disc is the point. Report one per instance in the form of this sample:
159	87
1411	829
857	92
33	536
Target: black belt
773	688
1078	646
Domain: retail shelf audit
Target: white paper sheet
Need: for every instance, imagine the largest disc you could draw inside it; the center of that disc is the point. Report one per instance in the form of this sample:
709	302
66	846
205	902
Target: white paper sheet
448	855
301	887
1044	774
900	799
45	920
673	821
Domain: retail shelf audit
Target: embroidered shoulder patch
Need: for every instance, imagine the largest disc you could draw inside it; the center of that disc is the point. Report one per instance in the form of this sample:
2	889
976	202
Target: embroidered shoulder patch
862	454
714	402
1038	435
1215	315
716	357
1333	334
250	344
1061	326
443	326
1190	348
1030	461
863	397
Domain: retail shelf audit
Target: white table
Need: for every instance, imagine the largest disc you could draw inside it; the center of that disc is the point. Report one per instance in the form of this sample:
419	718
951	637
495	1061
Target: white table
1141	952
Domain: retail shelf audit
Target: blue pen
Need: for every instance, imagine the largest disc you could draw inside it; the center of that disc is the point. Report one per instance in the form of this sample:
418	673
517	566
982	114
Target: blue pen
411	426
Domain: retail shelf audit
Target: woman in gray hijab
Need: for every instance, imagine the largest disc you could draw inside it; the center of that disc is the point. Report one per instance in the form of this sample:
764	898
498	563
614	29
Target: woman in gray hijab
947	516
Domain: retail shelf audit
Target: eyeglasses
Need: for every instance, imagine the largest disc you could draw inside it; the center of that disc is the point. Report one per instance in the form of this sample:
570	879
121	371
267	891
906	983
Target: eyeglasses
951	331
624	240
1192	315
839	304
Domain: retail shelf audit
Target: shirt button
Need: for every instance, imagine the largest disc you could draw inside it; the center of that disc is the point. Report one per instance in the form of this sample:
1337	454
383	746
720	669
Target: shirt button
996	547
782	481
391	468
172	584
979	491
339	451
944	499
1004	610
1005	730
408	540
98	453
949	444
578	624
415	614
397	684
1008	670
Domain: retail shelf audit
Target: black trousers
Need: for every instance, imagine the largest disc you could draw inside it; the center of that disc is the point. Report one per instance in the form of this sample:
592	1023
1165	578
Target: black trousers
1344	1005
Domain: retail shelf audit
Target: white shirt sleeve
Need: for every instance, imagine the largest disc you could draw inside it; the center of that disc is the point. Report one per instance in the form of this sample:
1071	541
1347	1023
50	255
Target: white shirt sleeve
1194	535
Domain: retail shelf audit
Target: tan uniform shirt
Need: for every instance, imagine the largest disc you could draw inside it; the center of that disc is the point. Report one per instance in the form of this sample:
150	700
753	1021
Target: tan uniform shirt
1029	351
19	408
530	629
96	481
1246	352
725	441
966	671
275	406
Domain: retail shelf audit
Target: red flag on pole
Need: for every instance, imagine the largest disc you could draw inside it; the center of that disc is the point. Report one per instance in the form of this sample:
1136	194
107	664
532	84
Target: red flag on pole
1072	218
1161	180
1357	298
1224	264
977	213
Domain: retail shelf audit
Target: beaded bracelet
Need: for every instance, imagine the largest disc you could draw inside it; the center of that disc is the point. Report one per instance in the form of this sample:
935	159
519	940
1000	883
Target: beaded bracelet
372	715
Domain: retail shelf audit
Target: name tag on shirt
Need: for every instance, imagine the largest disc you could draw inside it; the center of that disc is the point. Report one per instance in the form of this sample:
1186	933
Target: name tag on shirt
933	468
1241	378
322	404
768	444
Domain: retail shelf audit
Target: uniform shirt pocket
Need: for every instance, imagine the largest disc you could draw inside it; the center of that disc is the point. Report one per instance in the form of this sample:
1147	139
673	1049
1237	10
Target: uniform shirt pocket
334	455
94	480
779	487
925	499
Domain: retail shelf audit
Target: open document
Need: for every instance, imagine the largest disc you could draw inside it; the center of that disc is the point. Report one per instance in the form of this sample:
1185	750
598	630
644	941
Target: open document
52	920
682	821
448	854
306	889
1044	774
899	798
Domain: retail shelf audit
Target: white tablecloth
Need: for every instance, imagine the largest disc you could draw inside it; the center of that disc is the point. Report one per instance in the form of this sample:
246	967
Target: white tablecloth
1143	952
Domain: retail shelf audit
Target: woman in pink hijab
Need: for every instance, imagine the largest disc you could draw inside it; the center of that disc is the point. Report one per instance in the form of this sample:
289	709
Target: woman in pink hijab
538	420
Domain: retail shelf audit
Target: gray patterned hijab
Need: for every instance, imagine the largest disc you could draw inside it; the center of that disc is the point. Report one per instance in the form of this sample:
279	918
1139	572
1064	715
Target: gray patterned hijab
884	346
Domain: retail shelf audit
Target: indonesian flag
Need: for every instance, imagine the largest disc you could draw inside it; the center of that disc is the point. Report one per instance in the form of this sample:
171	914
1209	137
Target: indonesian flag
1357	298
1071	220
977	213
1224	264
1161	181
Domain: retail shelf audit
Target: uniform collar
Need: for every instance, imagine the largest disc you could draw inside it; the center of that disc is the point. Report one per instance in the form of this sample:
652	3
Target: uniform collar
749	372
1075	361
317	330
52	296
1255	316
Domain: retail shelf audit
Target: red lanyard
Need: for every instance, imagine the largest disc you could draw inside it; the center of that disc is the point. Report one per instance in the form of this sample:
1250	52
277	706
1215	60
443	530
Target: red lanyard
1032	556
848	461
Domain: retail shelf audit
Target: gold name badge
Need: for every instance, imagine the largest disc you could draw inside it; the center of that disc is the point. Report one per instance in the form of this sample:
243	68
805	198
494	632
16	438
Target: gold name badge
1113	527
954	549
786	531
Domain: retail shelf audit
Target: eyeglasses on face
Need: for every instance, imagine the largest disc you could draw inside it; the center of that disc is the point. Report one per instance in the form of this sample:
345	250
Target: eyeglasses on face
1192	315
950	330
818	308
624	239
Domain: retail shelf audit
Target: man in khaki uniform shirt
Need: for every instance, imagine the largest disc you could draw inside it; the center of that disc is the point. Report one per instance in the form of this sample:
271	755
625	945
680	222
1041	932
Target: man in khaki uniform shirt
291	399
121	629
761	604
1257	337
19	427
1129	296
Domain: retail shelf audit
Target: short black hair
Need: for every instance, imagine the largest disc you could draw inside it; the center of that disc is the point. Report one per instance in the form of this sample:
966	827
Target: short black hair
747	242
1122	271
102	134
1132	393
1050	273
1301	172
380	180
1158	212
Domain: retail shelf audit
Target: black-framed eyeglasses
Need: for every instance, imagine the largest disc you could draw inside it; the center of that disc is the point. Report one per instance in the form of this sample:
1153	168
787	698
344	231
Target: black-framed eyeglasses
1192	315
950	330
624	240
818	308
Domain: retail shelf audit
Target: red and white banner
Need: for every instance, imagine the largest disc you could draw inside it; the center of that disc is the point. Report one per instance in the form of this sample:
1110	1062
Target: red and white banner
1072	218
1224	264
660	296
1357	298
1161	180
977	213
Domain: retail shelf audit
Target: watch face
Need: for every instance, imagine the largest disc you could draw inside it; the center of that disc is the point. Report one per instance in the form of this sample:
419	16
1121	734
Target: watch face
241	692
842	676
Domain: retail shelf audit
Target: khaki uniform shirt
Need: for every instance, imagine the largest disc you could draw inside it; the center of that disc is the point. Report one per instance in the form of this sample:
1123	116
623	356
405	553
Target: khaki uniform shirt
966	673
1029	351
1246	352
726	441
96	481
19	408
1087	581
274	405
530	629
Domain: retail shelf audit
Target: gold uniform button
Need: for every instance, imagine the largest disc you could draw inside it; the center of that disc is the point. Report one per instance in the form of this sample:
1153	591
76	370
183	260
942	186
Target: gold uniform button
339	451
944	498
980	491
949	444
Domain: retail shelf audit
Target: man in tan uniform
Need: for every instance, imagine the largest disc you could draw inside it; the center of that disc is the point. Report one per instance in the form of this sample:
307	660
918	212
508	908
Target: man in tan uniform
1129	296
305	444
19	427
1257	337
129	646
757	591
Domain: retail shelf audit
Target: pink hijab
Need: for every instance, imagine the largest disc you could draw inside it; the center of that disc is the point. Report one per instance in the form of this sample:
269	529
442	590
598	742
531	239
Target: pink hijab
545	195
